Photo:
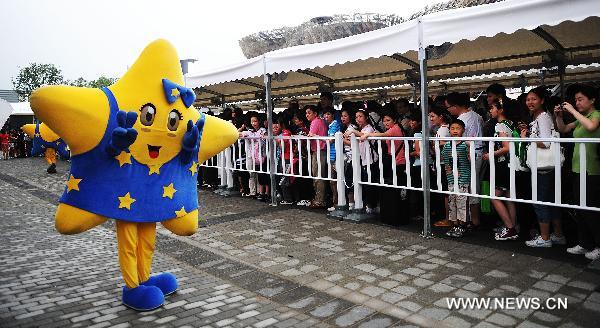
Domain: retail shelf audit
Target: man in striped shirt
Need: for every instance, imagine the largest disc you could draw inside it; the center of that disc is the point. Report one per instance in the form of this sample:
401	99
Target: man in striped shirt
457	203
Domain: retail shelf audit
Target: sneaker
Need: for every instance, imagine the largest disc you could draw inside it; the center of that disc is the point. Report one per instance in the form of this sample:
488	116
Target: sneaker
593	255
285	202
456	232
450	233
331	209
351	206
577	250
507	234
260	198
539	242
369	210
316	205
443	223
558	240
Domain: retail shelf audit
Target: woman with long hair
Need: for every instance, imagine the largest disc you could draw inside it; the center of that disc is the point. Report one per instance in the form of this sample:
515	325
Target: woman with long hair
586	126
542	127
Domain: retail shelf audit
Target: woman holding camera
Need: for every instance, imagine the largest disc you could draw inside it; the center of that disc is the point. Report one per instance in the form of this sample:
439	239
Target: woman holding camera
586	126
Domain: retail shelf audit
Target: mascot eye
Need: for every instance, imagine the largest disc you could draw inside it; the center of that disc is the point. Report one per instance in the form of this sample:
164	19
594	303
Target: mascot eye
148	112
174	118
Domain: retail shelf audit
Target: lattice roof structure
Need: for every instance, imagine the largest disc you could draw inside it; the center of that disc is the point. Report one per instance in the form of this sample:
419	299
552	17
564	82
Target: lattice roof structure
327	28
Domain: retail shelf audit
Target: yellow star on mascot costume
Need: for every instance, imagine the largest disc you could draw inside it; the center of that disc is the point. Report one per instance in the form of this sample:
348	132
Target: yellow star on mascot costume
135	150
47	142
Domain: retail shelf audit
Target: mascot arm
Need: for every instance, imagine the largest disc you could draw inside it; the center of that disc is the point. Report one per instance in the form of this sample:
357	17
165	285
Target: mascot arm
217	135
78	115
123	135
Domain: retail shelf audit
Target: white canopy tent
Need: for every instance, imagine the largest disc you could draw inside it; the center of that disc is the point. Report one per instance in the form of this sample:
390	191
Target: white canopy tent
500	37
9	109
505	36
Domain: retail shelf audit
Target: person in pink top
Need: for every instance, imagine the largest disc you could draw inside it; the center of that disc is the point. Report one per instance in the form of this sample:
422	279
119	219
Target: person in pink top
318	155
393	129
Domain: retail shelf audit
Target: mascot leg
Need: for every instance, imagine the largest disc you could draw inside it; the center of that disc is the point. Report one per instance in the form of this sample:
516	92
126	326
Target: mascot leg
50	155
167	282
70	220
184	226
136	246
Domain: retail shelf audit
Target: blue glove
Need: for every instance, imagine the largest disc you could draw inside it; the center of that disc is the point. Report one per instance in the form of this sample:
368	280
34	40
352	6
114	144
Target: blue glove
191	139
124	134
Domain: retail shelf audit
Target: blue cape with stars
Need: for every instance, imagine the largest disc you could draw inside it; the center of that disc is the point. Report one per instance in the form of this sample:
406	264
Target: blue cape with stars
129	190
40	145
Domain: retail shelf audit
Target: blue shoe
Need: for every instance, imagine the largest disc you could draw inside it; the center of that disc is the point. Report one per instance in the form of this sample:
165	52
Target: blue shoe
143	298
165	281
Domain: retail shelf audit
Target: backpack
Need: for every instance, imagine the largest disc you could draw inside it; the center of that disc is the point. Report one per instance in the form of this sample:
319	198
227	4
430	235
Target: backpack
520	147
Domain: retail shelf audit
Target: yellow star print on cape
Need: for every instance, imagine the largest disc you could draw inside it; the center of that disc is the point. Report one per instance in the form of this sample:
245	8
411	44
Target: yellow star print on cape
123	158
154	169
174	92
73	184
180	213
126	201
168	191
194	168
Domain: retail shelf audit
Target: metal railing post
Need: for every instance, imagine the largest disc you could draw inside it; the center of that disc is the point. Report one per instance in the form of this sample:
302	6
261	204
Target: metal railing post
425	137
358	213
270	139
341	208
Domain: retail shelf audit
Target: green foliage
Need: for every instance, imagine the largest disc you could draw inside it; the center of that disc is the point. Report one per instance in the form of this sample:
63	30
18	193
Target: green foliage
37	75
102	81
34	76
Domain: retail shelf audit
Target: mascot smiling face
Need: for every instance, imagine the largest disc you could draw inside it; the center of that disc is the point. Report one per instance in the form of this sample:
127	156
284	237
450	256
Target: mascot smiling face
135	148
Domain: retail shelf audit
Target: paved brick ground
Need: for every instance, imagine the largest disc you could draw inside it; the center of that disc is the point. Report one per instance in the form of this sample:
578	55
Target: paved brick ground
255	265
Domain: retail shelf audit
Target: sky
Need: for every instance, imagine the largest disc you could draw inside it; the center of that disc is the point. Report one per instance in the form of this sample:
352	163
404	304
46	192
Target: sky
97	38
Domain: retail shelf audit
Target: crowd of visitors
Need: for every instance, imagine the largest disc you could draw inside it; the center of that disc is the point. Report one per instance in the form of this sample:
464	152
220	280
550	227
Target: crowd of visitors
533	115
14	144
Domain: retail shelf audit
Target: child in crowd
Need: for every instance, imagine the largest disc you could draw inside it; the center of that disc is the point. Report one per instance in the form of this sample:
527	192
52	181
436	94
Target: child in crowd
457	204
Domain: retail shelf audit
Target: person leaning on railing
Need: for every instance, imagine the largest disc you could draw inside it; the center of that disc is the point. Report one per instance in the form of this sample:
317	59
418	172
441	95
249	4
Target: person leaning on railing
542	127
505	209
586	126
348	125
368	158
318	155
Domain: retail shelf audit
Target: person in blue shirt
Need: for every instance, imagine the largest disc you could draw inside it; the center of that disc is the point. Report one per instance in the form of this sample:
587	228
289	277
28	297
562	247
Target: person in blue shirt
333	127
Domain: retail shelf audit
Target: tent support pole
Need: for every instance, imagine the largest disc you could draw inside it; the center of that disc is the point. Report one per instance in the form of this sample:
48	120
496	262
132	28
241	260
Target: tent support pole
270	139
425	137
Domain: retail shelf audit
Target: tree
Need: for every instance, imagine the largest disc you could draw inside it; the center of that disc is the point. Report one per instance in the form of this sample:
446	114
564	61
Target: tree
102	81
80	82
34	76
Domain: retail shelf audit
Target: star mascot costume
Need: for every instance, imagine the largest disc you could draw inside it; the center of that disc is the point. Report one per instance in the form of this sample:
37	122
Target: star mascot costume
47	142
135	151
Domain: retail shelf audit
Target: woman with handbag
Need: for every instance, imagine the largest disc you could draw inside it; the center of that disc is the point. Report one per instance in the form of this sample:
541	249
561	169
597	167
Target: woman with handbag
542	127
586	126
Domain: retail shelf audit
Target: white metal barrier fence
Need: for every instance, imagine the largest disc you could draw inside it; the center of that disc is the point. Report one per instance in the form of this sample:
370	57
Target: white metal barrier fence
299	147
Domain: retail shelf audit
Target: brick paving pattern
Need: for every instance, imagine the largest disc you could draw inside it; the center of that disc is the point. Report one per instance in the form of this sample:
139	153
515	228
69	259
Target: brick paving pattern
254	265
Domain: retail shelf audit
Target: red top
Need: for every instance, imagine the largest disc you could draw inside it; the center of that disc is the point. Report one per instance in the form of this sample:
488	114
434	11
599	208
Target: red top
4	139
287	143
396	131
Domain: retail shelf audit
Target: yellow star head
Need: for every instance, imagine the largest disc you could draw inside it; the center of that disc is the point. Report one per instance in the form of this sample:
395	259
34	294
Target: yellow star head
126	201
45	132
123	158
160	125
168	191
73	184
174	92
